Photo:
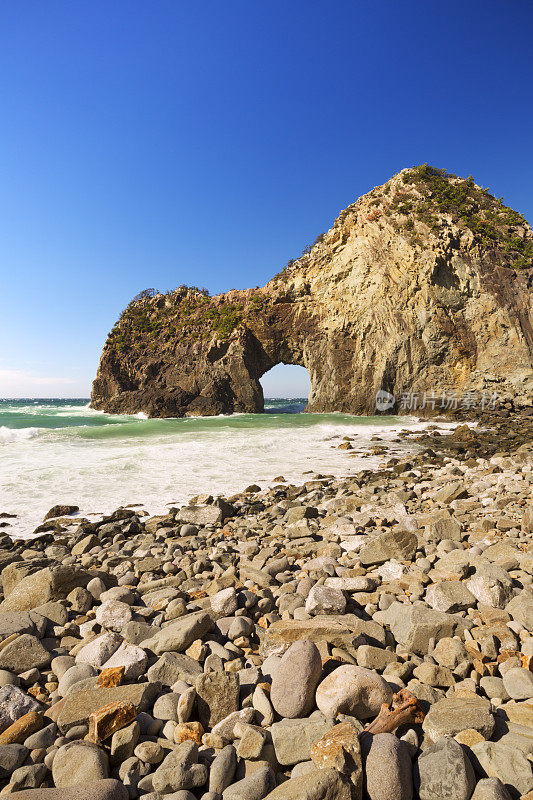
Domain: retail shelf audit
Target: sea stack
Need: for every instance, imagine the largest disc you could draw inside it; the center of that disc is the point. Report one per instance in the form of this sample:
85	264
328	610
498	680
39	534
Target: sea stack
421	285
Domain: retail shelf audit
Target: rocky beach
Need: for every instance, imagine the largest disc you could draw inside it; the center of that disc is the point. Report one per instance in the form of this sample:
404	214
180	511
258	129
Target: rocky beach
367	637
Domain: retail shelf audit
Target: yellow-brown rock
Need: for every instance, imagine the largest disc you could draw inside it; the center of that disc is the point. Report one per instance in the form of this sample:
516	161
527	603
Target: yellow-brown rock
22	728
339	749
108	719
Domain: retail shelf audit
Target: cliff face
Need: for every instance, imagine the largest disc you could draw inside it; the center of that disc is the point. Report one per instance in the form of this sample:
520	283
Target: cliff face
423	284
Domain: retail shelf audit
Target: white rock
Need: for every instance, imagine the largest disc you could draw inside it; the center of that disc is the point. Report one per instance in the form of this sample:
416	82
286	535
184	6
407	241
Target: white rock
325	600
352	544
133	658
489	590
225	601
14	703
113	615
226	727
99	650
361	583
391	570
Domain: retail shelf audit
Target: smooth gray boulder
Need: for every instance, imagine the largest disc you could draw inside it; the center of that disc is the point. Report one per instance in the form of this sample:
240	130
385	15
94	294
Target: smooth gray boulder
12	756
295	680
177	636
79	763
254	787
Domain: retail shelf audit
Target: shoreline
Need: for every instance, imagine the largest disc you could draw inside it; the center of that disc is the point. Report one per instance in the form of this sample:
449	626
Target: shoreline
106	465
250	641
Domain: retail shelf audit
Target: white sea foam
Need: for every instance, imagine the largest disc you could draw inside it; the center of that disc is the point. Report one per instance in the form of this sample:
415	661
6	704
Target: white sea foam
157	463
8	435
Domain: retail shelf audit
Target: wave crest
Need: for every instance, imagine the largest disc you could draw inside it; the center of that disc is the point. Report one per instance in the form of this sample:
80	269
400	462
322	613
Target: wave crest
9	435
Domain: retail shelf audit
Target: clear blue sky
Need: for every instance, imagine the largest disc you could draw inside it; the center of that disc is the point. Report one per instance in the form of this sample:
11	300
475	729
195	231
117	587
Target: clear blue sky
166	142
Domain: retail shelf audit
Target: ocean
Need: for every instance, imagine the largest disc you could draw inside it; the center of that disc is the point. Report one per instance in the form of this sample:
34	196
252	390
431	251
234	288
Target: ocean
61	451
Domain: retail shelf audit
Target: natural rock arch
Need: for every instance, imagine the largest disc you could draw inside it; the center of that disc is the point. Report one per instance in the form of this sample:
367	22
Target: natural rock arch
387	299
286	382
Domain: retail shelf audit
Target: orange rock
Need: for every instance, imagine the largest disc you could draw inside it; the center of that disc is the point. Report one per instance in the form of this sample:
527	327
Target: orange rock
108	719
112	676
527	663
197	594
262	622
23	727
506	654
188	731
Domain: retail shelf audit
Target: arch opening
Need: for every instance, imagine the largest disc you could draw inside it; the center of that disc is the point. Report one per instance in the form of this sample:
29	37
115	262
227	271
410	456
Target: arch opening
286	389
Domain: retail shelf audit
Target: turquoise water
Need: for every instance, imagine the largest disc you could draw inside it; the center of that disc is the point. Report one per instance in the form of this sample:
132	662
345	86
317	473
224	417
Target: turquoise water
61	451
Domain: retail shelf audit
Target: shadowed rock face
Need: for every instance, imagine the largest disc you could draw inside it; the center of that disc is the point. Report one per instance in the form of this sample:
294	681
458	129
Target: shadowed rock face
424	284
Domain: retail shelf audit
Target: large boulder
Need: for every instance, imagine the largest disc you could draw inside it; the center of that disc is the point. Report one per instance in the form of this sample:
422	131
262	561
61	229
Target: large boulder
217	696
394	543
388	770
415	624
177	636
79	706
25	652
295	680
352	690
108	789
50	583
453	714
509	764
79	764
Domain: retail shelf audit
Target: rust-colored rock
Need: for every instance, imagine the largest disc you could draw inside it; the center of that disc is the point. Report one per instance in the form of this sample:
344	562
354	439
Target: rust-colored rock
108	719
189	731
404	709
112	676
22	728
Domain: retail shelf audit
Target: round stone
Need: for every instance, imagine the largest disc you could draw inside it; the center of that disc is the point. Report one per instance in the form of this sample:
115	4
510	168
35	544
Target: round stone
295	680
519	683
352	690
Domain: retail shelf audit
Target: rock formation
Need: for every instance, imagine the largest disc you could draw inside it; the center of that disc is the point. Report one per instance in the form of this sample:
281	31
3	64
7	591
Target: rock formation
421	285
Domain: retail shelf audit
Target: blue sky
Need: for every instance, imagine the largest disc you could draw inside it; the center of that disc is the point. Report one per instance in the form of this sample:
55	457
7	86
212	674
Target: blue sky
154	144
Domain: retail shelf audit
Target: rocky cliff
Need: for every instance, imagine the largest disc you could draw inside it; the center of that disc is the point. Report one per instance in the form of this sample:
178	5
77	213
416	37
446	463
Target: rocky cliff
421	285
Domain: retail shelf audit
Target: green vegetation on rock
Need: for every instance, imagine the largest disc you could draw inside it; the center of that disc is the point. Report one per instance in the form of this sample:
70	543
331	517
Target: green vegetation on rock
183	313
436	192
